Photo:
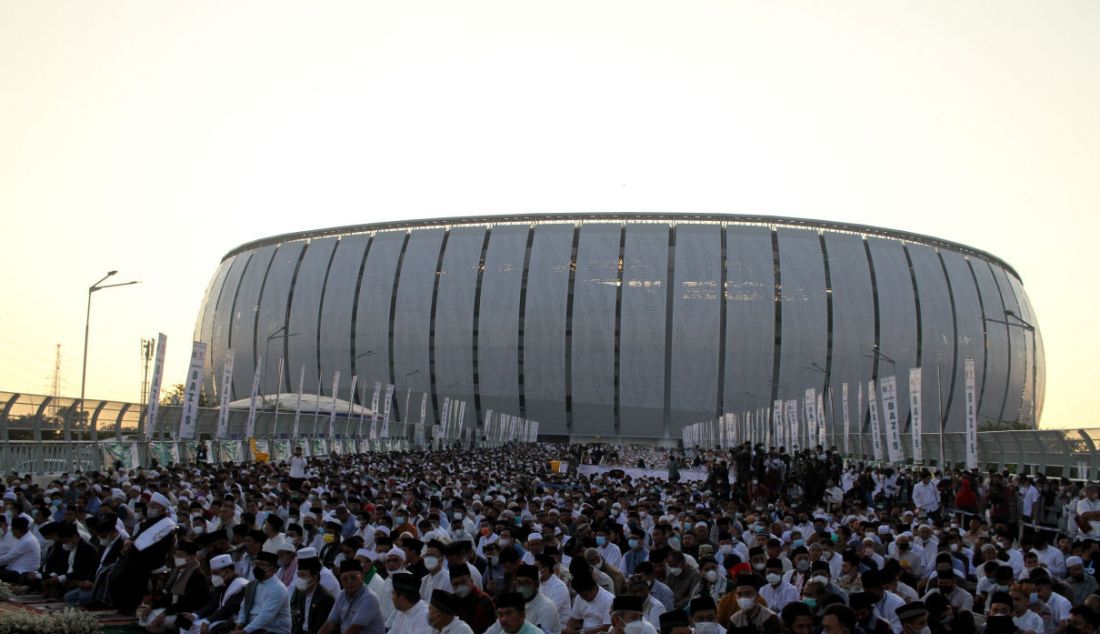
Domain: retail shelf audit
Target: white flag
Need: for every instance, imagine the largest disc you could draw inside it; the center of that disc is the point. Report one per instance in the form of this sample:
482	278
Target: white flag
889	388
810	408
872	407
915	413
154	386
791	409
821	439
374	411
444	415
461	417
386	412
190	415
223	405
859	413
351	404
844	412
250	426
332	413
298	403
971	418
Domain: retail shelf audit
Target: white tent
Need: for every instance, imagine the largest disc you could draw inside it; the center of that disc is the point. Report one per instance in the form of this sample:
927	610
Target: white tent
310	404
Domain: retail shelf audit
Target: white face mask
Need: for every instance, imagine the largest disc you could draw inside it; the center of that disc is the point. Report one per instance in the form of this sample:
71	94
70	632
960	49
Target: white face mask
706	627
180	561
774	579
745	603
673	571
302	583
711	576
217	581
431	561
637	627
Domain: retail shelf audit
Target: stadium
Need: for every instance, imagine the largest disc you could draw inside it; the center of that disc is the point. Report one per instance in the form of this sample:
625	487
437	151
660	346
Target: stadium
626	326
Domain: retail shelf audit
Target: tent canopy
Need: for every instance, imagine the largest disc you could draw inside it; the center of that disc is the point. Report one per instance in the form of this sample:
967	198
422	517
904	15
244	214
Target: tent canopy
310	403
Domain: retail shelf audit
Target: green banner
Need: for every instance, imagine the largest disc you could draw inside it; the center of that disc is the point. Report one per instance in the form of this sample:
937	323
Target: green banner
230	451
317	447
280	450
112	452
164	453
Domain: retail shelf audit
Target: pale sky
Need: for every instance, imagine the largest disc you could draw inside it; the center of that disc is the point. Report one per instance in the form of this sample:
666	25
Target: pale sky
153	137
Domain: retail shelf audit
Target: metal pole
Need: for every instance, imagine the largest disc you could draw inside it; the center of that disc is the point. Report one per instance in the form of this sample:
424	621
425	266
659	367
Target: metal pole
83	372
939	407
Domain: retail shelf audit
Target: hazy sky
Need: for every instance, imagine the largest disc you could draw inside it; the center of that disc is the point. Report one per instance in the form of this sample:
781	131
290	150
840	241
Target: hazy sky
152	137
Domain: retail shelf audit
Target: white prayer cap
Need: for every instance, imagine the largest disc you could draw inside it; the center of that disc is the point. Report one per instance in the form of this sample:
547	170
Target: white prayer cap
8	495
221	562
159	498
382	528
1074	561
307	553
363	552
118	494
287	547
884	530
396	552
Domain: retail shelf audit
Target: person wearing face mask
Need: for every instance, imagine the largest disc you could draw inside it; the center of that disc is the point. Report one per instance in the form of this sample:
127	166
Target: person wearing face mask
914	618
750	615
947	584
540	610
225	600
777	592
609	551
886	603
475	608
800	573
1058	605
356	609
144	552
714	579
436	577
186	590
636	552
704	616
72	562
591	609
310	604
266	603
443	614
1023	617
627	618
682	578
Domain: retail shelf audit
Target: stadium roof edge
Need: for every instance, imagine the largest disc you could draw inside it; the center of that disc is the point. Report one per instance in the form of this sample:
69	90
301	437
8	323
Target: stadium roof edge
782	221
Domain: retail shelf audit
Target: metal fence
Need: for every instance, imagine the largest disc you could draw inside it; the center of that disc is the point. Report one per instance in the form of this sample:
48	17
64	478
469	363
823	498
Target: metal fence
40	434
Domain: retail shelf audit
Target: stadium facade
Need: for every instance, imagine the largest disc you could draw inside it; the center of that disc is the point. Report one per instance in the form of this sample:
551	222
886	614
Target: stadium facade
627	325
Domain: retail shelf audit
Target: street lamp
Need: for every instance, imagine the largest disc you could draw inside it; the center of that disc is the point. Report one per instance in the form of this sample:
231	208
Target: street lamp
408	393
98	286
267	346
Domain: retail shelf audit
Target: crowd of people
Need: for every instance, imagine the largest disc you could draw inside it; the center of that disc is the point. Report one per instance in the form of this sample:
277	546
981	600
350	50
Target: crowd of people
492	540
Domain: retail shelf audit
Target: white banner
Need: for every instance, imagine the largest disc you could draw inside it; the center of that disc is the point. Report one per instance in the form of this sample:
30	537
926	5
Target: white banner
791	410
860	418
222	431
889	388
332	413
845	414
374	410
777	423
915	413
821	423
445	414
154	386
461	417
386	412
351	405
424	407
190	415
298	402
809	405
971	418
876	434
250	426
362	410
273	431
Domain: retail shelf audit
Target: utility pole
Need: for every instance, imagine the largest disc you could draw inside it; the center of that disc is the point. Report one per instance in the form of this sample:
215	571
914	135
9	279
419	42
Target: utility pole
55	383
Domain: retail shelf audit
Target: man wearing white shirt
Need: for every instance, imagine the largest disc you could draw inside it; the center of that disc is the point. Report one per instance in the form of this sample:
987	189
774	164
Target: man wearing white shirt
553	587
1051	558
298	464
541	611
886	602
437	578
411	615
591	607
925	496
609	551
1059	605
1088	508
25	554
777	592
1030	497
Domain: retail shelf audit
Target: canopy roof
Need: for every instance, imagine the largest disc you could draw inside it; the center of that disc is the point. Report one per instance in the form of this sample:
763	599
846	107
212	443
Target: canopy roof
310	403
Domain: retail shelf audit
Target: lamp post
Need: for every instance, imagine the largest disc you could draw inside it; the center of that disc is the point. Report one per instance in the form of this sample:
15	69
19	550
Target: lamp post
267	346
98	286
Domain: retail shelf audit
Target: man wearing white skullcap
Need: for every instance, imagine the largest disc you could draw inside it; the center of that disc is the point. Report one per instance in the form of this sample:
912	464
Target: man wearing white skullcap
225	597
395	563
143	554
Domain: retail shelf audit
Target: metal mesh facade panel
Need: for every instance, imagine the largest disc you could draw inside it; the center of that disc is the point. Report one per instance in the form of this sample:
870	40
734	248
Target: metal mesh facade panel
642	330
805	333
1019	349
242	335
697	310
853	325
594	294
937	340
412	320
205	325
339	300
750	318
996	370
897	312
454	314
304	314
272	315
544	327
970	342
498	329
223	318
372	328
